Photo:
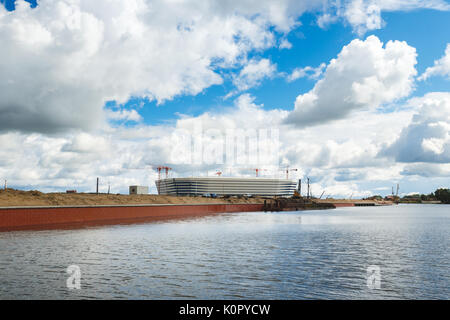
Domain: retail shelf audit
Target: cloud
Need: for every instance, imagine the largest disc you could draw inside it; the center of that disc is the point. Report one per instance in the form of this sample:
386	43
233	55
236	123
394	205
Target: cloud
253	73
61	61
87	143
428	170
326	19
427	137
365	15
285	44
308	72
441	67
365	75
124	115
350	175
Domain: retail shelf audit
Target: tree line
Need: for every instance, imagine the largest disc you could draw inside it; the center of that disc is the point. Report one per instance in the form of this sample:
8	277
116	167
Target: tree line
441	194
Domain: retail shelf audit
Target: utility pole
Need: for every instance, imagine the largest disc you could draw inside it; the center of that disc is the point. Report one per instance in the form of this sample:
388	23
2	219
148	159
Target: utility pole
109	187
308	188
6	184
299	188
97	185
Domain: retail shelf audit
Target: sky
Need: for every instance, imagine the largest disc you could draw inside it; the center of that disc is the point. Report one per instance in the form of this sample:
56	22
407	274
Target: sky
352	94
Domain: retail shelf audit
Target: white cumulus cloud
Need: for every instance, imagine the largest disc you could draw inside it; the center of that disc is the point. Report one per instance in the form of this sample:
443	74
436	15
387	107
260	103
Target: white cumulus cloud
309	72
61	61
441	67
365	75
124	115
366	15
427	137
253	73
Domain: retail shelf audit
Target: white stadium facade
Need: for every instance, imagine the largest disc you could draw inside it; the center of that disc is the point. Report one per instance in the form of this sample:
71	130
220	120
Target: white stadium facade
225	186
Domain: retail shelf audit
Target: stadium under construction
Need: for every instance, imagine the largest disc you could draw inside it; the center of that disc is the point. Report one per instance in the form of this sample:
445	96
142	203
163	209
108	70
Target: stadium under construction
225	186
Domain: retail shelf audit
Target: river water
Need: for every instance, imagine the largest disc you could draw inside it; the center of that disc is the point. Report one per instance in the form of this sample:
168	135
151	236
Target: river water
256	255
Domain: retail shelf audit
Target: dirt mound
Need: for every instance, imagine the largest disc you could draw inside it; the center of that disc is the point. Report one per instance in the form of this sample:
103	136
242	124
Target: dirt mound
19	198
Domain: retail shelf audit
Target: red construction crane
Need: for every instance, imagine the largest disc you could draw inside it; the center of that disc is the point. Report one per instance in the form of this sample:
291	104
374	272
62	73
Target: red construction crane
257	170
157	167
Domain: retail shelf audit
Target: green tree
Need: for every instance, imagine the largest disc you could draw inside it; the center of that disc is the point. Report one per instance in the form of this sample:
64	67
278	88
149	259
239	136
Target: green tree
442	195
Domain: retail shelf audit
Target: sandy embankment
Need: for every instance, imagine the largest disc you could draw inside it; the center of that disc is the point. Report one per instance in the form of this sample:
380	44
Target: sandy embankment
17	198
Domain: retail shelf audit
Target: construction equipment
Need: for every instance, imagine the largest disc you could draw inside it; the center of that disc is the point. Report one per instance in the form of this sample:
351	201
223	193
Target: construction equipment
287	170
159	168
166	169
257	170
308	191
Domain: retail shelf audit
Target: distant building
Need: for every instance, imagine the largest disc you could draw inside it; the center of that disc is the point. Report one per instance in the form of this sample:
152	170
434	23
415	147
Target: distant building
138	190
226	186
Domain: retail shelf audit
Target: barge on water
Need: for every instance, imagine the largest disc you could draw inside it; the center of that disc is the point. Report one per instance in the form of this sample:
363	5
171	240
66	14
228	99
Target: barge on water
294	204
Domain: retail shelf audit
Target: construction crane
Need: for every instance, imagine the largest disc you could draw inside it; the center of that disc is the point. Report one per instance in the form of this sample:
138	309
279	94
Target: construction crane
161	168
257	170
287	170
308	193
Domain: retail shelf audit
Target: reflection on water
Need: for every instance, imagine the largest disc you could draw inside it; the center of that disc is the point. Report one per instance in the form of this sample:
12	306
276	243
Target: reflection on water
295	255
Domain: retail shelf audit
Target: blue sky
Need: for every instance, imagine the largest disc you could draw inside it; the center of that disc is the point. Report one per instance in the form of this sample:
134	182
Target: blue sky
83	81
